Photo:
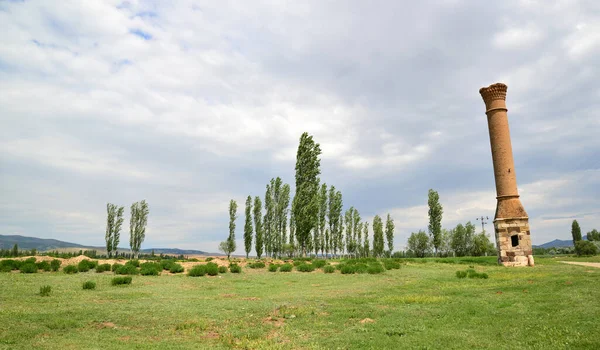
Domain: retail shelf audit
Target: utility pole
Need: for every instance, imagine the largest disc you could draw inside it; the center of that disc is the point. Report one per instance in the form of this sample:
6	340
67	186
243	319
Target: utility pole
483	222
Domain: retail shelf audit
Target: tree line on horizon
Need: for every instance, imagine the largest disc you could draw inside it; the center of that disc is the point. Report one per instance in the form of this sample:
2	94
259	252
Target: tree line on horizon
315	223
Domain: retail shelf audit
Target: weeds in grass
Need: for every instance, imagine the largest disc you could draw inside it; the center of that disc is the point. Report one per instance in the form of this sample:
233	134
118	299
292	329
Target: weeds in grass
121	280
89	285
70	269
374	269
471	273
197	271
461	274
390	264
45	291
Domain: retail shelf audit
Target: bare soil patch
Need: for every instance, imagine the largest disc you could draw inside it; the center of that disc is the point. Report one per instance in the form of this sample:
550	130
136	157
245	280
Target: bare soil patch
590	264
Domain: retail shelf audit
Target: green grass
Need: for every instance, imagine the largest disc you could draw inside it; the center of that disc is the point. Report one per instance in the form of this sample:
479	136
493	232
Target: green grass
421	305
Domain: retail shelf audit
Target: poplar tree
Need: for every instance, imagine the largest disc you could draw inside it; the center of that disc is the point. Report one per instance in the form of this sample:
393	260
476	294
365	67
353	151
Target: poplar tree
575	232
333	217
248	227
268	221
378	245
228	246
366	247
349	221
305	205
258	227
356	232
435	219
284	203
389	233
322	215
137	226
114	221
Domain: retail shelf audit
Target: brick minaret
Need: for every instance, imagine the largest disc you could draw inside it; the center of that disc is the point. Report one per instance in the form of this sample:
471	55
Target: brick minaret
511	222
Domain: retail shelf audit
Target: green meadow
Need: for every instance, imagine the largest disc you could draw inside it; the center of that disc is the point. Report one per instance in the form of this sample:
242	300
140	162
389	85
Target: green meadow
423	305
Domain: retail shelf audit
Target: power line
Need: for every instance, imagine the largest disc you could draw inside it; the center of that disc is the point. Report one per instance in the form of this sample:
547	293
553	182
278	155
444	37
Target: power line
483	222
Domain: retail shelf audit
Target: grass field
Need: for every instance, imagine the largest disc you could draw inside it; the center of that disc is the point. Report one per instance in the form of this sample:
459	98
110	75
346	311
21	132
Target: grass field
420	306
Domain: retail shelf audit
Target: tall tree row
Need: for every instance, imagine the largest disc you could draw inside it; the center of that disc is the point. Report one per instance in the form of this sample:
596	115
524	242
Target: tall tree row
114	221
137	226
258	227
248	227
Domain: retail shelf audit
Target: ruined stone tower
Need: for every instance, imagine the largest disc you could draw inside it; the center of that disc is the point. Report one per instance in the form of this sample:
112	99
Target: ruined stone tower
511	222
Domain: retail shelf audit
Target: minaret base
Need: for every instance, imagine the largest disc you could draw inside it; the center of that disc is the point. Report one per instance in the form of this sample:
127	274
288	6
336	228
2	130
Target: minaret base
513	240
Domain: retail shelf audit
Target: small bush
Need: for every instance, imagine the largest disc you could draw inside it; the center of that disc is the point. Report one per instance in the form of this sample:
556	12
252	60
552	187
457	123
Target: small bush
235	268
461	274
374	269
298	262
29	268
347	269
361	268
212	269
31	260
471	273
89	285
210	258
166	264
115	266
304	267
45	291
273	267
151	265
198	270
150	271
391	264
127	270
83	266
318	263
328	269
103	267
222	269
5	268
10	264
121	280
55	265
257	265
43	265
286	268
70	269
175	268
134	262
583	248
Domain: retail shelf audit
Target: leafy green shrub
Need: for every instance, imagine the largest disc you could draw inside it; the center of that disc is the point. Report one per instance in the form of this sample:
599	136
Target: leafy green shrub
70	269
133	262
286	268
55	265
210	258
304	267
585	248
121	280
150	271
127	270
328	269
89	285
43	265
83	266
198	270
45	291
346	269
115	266
102	268
298	262
390	264
212	269
31	260
361	268
257	265
461	274
10	264
93	264
273	267
374	269
151	265
5	268
175	268
29	268
222	269
166	264
235	268
318	263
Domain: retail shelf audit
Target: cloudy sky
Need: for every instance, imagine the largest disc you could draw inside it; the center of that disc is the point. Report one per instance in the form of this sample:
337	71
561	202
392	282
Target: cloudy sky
189	104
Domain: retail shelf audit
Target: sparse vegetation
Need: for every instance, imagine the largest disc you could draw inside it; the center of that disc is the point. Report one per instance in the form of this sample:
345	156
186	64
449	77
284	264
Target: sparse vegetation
121	280
45	291
89	285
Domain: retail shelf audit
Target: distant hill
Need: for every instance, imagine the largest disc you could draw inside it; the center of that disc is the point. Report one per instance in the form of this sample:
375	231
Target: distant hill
43	244
559	243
